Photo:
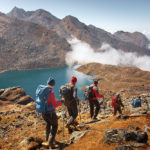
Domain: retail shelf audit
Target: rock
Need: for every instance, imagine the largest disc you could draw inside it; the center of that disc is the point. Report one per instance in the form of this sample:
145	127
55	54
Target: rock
123	117
121	135
1	91
30	124
113	136
147	128
133	127
26	141
142	137
137	145
76	135
124	147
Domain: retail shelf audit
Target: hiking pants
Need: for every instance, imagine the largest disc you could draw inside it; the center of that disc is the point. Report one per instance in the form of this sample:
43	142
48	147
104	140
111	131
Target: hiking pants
51	121
117	109
73	112
92	104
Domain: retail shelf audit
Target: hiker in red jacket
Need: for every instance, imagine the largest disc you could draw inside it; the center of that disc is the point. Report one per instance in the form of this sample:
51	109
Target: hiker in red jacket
117	104
71	102
50	117
94	101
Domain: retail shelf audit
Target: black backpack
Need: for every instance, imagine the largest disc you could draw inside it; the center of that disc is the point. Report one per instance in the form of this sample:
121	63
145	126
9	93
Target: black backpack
66	91
88	92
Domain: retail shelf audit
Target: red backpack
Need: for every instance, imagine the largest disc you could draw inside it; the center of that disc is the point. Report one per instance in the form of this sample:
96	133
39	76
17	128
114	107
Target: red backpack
114	103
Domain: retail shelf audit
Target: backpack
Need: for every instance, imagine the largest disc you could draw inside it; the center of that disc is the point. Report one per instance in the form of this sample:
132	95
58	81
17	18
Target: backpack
114	103
136	102
66	91
42	93
88	92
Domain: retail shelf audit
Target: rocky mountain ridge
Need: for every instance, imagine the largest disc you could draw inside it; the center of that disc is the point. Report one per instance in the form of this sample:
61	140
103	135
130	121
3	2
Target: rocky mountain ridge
70	26
38	39
29	46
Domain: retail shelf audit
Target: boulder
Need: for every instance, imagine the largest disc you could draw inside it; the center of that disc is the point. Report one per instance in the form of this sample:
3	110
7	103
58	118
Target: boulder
121	135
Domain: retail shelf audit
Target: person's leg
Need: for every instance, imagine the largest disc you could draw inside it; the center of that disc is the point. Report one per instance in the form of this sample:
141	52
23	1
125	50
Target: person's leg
48	125
54	127
119	110
73	113
115	111
52	120
91	108
97	105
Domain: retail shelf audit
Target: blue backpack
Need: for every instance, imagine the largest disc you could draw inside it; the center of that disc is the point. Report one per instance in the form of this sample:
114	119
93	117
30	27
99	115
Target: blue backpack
42	93
136	102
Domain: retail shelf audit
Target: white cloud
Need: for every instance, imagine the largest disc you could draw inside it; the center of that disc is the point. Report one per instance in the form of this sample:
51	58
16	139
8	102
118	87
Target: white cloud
82	53
146	33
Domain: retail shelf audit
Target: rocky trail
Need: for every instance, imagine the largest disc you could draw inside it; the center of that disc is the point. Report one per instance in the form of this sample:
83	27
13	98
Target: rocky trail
21	127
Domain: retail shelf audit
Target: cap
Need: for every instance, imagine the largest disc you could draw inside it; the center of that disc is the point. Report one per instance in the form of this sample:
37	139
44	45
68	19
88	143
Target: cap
51	81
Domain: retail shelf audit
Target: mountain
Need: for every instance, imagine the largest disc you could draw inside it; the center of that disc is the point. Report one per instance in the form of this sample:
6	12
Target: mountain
137	38
39	16
129	80
95	37
26	45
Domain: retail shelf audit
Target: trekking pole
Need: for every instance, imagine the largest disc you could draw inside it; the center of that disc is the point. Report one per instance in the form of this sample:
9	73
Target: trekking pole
63	125
79	112
104	105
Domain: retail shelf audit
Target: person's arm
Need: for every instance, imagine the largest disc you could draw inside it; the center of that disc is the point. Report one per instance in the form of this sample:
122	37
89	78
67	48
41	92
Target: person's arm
52	100
95	90
75	94
120	102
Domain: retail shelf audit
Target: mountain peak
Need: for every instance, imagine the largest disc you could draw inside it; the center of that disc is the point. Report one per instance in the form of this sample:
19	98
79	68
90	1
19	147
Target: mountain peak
70	18
17	13
137	38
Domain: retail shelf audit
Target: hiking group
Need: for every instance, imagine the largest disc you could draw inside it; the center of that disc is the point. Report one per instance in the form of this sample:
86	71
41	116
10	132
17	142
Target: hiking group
46	104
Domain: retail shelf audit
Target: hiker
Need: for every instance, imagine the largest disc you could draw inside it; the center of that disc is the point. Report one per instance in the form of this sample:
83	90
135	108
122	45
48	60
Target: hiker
93	101
50	116
136	102
117	104
70	100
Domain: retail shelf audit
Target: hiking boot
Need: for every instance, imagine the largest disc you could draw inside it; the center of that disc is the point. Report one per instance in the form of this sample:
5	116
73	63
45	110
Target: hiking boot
75	123
67	126
51	145
95	118
45	144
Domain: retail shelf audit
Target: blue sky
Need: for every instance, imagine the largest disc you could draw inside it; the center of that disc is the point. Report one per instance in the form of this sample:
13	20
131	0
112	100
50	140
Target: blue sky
110	15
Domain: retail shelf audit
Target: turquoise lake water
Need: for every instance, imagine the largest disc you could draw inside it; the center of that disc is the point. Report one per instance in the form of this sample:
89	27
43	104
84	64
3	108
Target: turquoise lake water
30	79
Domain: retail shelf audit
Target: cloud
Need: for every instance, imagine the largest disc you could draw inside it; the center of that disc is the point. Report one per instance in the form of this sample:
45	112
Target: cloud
82	53
146	33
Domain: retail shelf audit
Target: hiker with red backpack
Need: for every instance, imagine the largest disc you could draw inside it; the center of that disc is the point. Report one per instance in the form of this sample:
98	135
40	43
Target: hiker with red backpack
68	93
117	104
46	104
93	101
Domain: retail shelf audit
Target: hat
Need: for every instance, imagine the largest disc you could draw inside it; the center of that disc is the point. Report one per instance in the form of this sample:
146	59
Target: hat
95	81
73	79
117	94
51	81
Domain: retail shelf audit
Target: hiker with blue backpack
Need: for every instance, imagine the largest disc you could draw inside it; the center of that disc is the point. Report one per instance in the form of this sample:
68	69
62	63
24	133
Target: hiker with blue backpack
45	105
136	102
68	93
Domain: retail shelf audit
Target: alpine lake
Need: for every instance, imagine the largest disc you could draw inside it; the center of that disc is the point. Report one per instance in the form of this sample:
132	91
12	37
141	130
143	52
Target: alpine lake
30	79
